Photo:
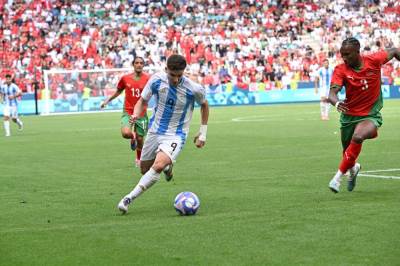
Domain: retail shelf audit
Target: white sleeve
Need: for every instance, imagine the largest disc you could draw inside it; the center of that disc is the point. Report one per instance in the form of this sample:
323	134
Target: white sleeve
17	90
199	94
152	86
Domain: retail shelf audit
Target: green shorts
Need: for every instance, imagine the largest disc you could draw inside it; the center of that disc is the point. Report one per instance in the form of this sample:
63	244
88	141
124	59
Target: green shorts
140	125
348	124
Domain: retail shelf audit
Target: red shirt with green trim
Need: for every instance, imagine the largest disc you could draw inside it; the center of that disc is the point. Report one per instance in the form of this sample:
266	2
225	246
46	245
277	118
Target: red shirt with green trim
363	87
133	89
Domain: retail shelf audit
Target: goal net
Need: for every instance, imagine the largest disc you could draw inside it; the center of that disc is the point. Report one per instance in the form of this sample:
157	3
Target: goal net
67	91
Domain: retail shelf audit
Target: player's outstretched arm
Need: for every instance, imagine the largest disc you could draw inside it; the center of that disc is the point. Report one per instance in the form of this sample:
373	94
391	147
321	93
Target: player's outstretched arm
112	97
200	139
139	108
393	52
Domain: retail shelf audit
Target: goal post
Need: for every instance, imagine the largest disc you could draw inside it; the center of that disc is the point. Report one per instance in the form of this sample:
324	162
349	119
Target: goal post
73	91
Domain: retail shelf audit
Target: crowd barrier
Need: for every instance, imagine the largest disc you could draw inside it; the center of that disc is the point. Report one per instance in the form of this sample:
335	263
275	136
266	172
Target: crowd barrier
219	96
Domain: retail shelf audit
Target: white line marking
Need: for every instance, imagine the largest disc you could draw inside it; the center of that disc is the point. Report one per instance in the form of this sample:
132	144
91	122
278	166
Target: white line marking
366	173
380	176
384	170
267	117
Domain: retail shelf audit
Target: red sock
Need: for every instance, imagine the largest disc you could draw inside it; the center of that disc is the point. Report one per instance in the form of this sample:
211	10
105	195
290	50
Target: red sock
350	156
138	153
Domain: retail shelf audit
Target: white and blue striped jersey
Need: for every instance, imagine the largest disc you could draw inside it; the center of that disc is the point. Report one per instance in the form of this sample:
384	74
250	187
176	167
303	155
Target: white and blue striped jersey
8	90
324	77
174	105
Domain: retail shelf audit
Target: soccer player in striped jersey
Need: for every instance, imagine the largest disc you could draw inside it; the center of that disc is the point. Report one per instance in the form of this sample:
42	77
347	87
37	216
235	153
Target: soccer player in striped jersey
360	112
175	97
322	81
133	85
9	93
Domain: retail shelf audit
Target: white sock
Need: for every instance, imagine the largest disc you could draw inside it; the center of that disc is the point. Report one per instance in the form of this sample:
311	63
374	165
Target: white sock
353	169
19	122
327	107
322	105
7	127
147	180
338	176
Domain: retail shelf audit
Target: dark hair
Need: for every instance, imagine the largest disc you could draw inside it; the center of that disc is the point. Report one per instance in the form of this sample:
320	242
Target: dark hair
137	57
176	62
352	42
8	75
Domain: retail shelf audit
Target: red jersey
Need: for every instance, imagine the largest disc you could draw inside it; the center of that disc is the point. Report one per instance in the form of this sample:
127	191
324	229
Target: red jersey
133	89
363	87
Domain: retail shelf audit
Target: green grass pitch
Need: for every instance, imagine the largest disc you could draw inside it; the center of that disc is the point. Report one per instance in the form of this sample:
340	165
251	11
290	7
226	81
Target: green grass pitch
262	180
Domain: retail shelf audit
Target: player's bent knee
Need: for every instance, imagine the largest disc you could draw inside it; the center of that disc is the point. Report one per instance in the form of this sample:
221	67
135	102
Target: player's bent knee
126	135
374	134
357	138
126	132
158	166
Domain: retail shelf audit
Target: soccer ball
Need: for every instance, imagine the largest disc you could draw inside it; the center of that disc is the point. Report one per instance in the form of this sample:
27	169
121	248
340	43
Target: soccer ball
186	203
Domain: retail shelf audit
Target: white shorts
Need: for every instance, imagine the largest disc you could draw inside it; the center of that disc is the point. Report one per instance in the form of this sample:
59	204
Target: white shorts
170	145
10	111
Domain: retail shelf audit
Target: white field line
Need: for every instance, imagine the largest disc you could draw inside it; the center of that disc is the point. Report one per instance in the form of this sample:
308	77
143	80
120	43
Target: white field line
50	227
384	170
266	118
366	173
380	176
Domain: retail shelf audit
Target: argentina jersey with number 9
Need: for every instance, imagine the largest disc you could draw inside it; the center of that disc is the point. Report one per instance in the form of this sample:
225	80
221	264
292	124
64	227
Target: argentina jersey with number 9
174	105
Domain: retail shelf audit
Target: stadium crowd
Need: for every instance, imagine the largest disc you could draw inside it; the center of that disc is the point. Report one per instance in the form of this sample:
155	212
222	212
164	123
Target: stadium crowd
277	43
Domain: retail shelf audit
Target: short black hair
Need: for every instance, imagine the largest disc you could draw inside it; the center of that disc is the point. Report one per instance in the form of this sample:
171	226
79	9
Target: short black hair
137	57
352	42
8	75
176	62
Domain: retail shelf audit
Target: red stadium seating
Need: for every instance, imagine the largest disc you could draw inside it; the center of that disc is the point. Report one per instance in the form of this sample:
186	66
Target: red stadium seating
256	41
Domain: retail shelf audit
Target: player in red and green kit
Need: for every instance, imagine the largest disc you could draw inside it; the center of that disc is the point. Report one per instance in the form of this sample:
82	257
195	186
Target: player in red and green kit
133	85
360	111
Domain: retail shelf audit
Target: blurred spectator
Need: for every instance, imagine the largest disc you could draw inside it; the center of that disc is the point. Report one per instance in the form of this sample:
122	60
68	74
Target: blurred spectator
276	42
